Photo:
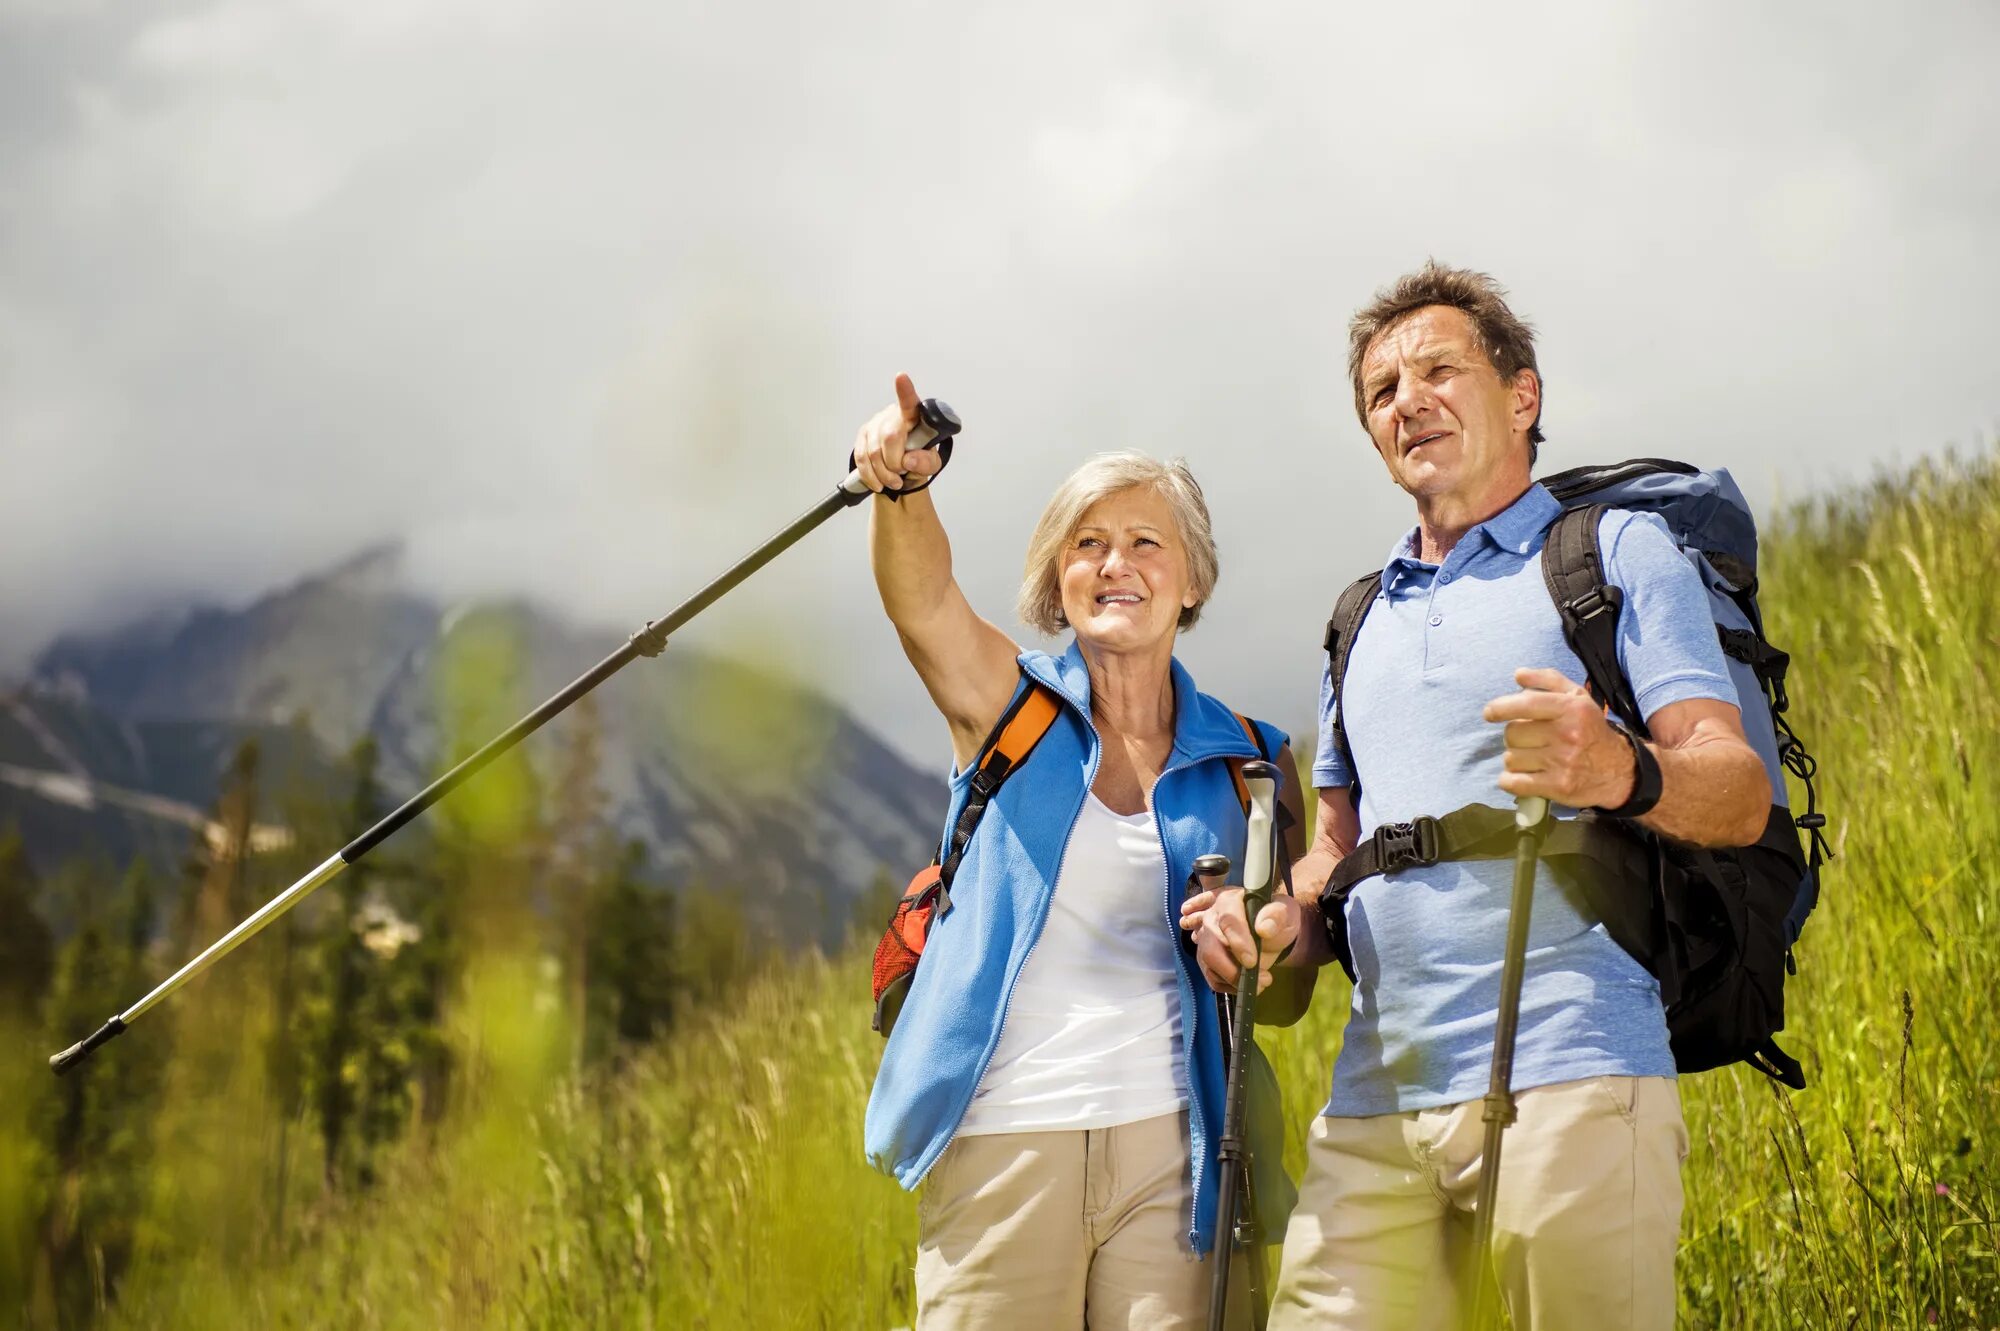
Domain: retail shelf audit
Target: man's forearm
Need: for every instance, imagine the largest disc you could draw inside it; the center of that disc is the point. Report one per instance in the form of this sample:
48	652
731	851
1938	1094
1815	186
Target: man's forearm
1713	793
1310	873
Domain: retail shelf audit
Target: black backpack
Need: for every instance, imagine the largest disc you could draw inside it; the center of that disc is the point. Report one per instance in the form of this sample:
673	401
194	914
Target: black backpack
1715	927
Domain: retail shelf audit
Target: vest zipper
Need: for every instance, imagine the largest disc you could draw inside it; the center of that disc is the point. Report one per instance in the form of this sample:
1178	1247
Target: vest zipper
1190	1024
1041	922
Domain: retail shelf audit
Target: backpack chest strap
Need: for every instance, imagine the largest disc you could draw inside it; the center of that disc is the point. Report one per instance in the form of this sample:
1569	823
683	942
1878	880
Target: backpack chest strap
1475	832
1599	853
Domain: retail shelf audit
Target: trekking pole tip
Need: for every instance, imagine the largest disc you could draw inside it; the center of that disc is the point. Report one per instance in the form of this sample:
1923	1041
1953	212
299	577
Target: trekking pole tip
82	1049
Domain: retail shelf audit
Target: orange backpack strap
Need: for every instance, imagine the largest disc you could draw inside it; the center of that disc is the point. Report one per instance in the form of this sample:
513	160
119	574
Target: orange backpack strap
1236	764
1021	727
1021	731
1283	813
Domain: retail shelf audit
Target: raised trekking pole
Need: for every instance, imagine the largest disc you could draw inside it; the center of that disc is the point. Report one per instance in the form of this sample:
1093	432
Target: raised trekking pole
1234	1231
1531	813
937	425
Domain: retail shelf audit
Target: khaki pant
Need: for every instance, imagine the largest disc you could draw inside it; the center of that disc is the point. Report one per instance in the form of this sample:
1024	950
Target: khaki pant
1057	1230
1584	1230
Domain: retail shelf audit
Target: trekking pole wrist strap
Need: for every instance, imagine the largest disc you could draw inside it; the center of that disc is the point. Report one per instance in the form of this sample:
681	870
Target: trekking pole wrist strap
935	428
1646	779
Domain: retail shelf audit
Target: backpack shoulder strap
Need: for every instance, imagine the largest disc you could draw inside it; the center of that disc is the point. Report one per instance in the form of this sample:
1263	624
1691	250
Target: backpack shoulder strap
1573	568
1017	734
1236	764
1281	815
1021	727
1341	631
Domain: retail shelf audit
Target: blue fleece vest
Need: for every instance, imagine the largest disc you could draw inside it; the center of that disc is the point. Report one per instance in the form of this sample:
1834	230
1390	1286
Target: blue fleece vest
950	1024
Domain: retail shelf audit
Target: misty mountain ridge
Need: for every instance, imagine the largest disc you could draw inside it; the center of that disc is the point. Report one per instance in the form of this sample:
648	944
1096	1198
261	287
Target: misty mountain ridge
728	773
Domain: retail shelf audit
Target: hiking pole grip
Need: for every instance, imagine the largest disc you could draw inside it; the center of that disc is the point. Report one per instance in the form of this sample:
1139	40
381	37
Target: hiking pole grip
1261	780
937	425
1204	868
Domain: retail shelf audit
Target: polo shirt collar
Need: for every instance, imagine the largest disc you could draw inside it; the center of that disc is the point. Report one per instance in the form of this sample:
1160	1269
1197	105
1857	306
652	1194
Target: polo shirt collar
1514	529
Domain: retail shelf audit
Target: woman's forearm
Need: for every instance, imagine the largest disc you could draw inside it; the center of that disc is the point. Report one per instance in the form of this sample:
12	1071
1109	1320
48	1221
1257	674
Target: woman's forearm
911	558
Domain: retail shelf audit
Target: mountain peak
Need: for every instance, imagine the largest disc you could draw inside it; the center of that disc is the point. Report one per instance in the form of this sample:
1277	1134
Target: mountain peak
727	772
375	570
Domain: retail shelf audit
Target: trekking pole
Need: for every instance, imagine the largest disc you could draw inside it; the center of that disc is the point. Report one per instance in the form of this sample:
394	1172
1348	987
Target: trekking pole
1233	1154
937	424
1531	814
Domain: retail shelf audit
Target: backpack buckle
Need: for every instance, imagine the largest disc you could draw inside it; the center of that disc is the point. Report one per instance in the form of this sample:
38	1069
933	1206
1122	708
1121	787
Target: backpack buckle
1601	600
1401	845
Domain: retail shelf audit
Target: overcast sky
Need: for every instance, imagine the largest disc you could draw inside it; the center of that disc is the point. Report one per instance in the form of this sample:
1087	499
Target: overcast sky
584	299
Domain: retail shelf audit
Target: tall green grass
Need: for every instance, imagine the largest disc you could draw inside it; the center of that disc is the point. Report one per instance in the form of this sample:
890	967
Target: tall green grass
717	1181
712	1183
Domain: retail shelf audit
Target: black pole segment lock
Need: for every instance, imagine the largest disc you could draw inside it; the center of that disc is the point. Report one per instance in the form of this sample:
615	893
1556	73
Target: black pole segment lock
650	640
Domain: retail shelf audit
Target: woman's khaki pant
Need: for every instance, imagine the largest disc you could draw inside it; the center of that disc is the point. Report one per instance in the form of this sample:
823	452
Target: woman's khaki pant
1584	1231
1057	1230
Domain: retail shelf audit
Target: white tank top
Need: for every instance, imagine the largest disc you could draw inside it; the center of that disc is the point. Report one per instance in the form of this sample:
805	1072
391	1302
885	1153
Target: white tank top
1092	1036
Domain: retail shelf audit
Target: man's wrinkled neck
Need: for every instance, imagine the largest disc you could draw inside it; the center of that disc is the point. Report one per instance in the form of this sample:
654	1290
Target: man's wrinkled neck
1443	520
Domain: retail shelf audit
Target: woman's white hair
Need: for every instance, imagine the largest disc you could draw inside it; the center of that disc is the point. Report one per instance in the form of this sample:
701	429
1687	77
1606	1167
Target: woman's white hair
1107	474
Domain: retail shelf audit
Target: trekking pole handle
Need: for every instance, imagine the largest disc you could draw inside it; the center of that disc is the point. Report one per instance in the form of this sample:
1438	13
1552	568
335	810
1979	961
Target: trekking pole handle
936	422
1529	811
1261	779
1206	866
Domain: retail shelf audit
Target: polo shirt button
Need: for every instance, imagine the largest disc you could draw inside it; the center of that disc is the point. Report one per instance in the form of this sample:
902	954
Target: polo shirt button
1436	620
1444	577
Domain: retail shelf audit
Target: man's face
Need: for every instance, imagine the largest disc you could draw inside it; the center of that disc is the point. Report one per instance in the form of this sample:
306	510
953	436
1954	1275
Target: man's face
1445	422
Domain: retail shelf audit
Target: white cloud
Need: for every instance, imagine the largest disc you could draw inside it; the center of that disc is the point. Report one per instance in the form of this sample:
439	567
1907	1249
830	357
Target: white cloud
585	298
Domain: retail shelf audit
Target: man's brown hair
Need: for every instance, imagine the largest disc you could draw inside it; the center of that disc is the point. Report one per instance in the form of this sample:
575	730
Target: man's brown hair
1508	342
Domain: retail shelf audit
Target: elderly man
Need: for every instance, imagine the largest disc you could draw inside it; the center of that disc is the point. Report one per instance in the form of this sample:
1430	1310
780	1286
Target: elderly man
1461	690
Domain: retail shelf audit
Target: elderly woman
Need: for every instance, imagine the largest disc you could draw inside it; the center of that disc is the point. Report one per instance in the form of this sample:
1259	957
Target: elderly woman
1055	1079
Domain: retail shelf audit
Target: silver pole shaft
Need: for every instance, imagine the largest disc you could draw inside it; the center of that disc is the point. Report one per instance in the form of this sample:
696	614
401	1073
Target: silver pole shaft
238	936
216	951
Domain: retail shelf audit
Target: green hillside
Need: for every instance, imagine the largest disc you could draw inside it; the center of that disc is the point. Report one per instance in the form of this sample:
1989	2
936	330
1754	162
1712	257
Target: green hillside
713	1179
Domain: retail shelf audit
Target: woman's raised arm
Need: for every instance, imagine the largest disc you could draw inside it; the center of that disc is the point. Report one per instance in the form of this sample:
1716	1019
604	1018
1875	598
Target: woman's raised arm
966	662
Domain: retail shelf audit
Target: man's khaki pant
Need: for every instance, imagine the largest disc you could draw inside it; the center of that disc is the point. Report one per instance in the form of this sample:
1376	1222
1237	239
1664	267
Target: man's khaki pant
1056	1230
1584	1231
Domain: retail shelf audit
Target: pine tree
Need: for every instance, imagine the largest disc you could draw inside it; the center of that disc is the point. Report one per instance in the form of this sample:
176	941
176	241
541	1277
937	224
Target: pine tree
27	949
217	1099
98	1122
712	943
580	860
343	962
636	985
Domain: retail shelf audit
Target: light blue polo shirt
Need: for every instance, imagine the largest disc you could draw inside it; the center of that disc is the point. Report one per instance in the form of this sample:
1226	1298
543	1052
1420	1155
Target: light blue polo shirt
1440	642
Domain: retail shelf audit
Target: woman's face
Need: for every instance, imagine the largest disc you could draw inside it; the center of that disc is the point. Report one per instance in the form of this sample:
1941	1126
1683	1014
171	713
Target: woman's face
1124	574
